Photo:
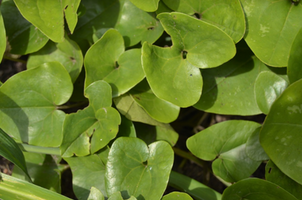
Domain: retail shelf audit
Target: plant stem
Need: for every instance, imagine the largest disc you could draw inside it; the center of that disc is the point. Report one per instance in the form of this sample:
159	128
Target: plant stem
14	59
38	149
71	106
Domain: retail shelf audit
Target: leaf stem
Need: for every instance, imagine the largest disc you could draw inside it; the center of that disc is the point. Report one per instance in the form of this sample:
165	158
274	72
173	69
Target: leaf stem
38	149
64	107
14	59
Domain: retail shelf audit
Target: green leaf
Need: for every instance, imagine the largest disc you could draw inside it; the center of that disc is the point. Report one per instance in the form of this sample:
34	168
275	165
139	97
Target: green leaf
268	87
268	36
294	62
280	136
126	128
95	194
68	53
134	24
128	107
13	188
87	172
23	37
2	37
138	170
151	134
274	175
225	142
28	103
43	169
253	147
177	196
196	189
93	127
255	189
176	67
122	70
234	80
118	196
70	13
147	5
45	15
225	14
10	150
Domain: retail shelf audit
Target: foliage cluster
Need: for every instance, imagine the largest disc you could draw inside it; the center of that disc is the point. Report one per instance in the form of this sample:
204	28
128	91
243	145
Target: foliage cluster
105	79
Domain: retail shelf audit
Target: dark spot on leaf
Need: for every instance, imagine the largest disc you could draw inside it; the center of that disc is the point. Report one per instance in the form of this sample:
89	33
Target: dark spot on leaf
197	15
137	98
66	7
116	66
145	163
174	16
151	28
110	130
184	54
72	58
190	74
270	169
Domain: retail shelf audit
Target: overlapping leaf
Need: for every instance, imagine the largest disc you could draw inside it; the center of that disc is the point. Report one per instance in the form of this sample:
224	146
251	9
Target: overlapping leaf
253	147
67	53
271	29
93	127
2	37
255	189
95	194
268	87
11	151
48	16
274	175
107	60
147	5
137	170
225	14
196	44
134	24
44	170
87	172
226	142
28	104
70	13
177	196
229	89
294	71
280	136
23	37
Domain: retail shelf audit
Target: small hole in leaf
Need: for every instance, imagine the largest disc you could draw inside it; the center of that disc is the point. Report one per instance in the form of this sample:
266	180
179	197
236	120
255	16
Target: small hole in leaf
184	54
116	66
270	169
145	163
197	15
151	28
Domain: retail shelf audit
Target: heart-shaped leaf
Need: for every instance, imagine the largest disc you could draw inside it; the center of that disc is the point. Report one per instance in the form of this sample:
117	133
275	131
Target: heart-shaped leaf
225	142
87	172
137	170
10	150
234	80
274	175
28	103
255	189
2	37
253	147
93	127
268	36
176	67
268	87
280	136
225	14
68	53
295	62
46	15
147	5
134	24
95	194
106	60
23	37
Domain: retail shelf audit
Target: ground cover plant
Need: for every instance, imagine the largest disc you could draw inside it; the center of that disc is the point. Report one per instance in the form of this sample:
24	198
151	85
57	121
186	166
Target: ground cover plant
105	80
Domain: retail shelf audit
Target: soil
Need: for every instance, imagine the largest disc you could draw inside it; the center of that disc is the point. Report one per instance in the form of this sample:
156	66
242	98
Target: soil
190	121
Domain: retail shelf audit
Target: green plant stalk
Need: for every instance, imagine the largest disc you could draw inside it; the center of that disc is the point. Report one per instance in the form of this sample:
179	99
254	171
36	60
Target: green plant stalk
196	189
38	149
14	59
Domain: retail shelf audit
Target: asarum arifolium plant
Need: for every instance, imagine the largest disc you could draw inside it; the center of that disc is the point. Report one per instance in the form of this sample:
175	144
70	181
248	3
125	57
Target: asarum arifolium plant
104	80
